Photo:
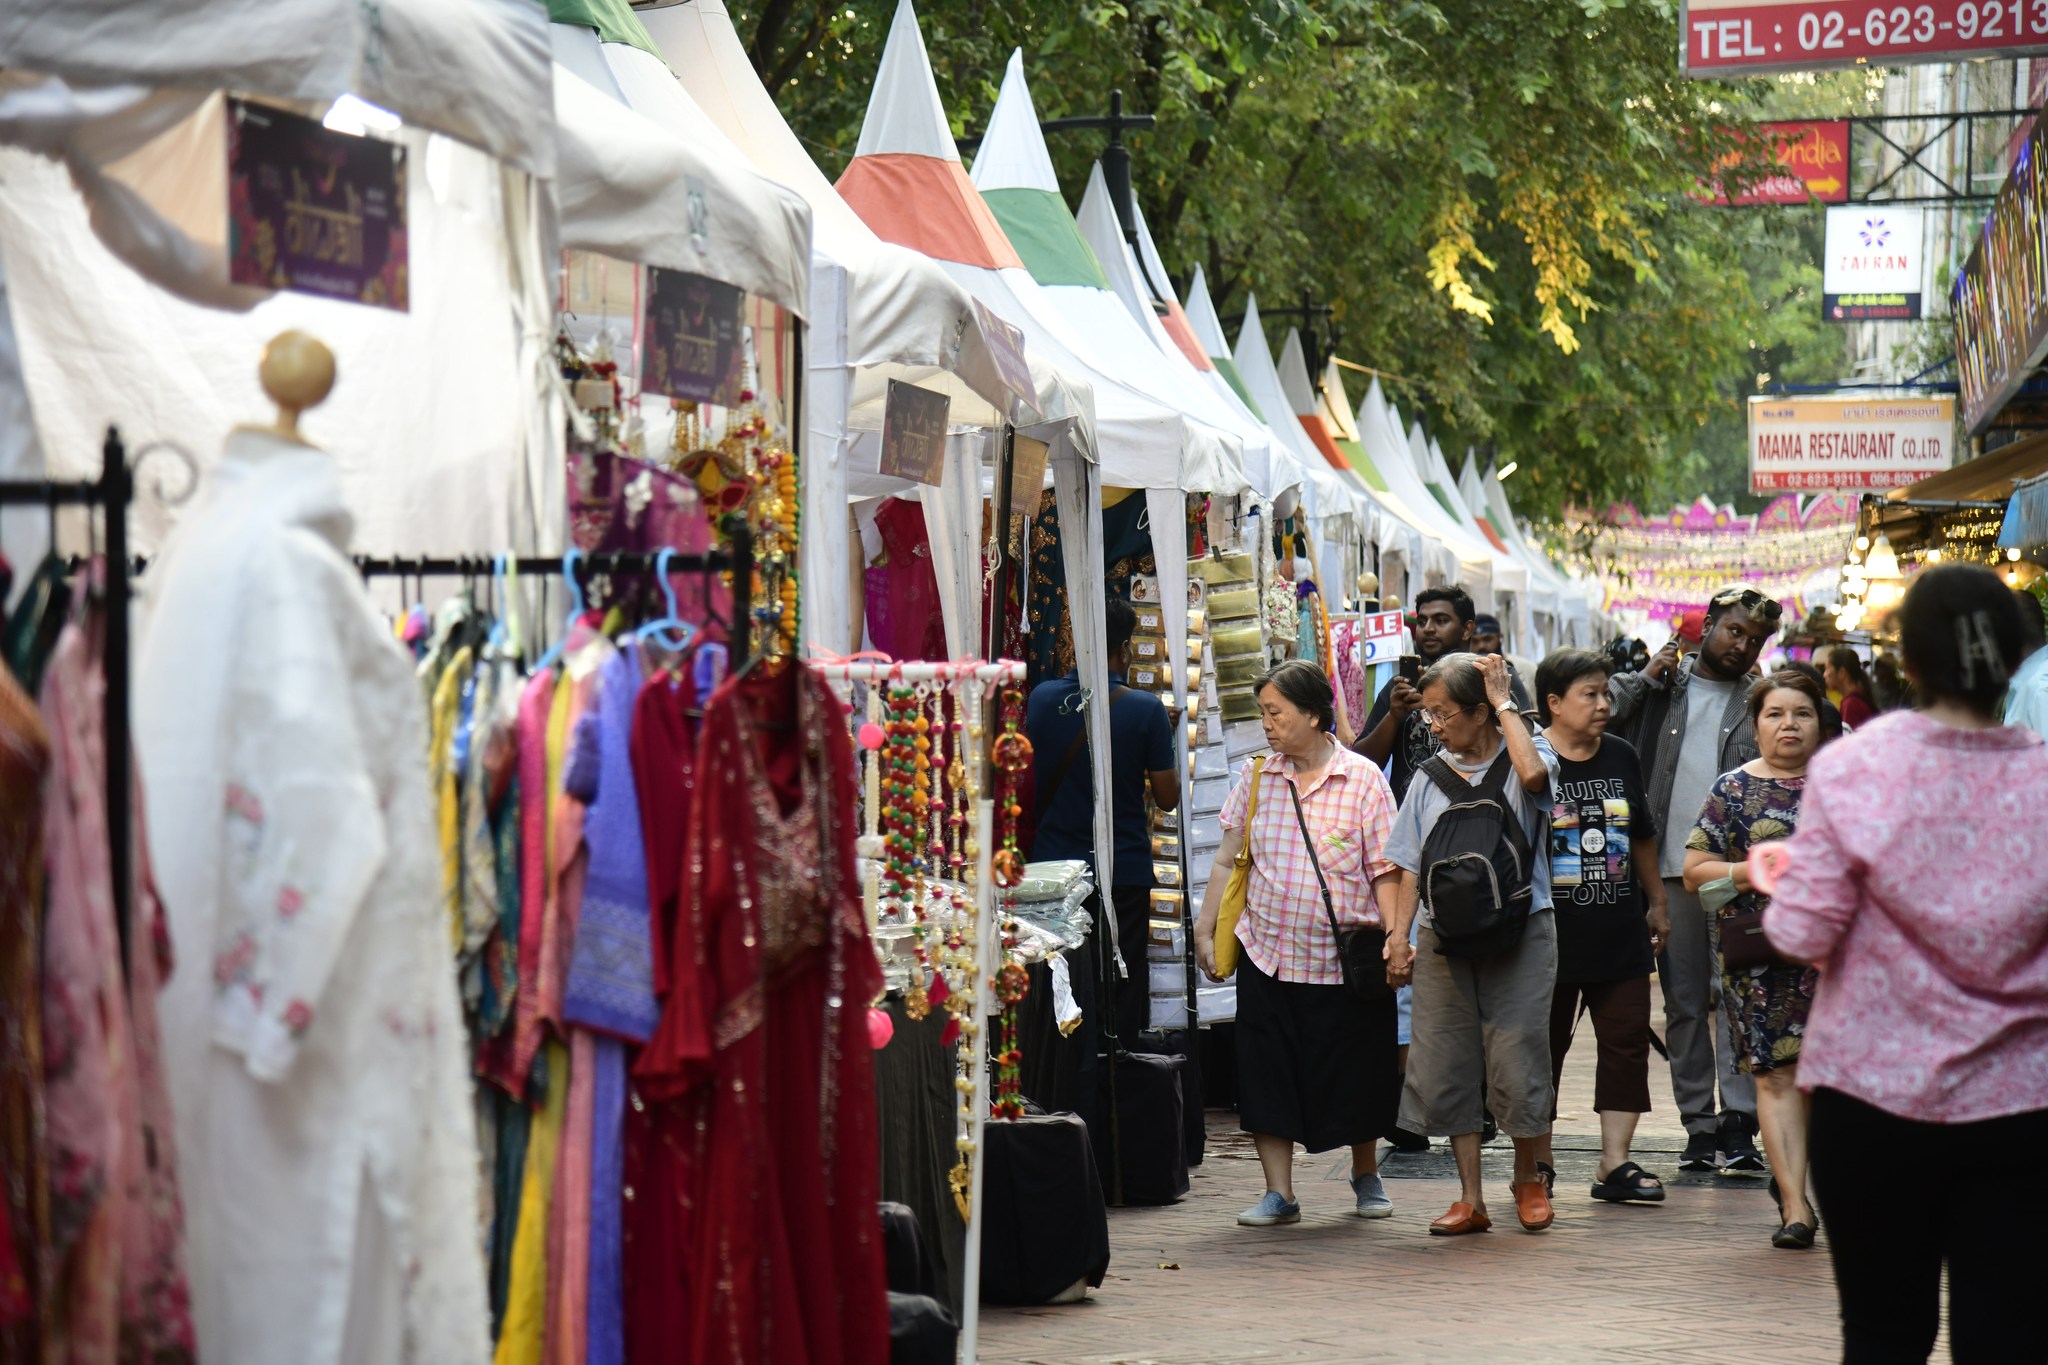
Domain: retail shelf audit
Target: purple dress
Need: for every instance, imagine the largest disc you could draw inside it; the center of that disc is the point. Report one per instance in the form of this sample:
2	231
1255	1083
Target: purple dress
610	989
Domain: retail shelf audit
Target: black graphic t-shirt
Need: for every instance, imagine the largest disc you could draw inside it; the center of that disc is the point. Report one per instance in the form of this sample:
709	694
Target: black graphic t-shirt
1414	744
1598	813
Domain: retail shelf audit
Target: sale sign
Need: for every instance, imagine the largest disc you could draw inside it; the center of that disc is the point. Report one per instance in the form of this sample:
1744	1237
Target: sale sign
1871	440
1813	160
1745	37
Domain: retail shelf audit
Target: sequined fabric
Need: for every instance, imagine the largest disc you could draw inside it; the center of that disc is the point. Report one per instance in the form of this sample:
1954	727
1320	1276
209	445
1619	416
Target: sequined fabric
24	759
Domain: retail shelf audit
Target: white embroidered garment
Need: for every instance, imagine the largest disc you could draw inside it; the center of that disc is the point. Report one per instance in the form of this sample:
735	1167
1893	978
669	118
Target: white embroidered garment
312	1035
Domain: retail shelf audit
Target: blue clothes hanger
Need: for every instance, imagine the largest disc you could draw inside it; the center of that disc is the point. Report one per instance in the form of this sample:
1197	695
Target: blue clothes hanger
664	632
569	562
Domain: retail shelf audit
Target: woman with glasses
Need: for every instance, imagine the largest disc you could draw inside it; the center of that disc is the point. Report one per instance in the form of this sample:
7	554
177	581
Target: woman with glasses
1766	1005
1481	1031
1315	1059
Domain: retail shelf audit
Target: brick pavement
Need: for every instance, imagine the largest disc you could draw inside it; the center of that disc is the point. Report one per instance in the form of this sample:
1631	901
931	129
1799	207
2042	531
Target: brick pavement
1694	1280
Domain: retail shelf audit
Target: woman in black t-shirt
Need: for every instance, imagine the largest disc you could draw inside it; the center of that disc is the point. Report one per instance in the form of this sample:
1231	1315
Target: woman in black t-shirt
1610	921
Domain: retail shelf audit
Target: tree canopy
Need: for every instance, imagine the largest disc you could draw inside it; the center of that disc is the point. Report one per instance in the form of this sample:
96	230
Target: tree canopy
1497	197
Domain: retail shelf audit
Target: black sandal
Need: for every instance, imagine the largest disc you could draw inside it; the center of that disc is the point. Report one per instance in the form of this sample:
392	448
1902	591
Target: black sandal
1630	1183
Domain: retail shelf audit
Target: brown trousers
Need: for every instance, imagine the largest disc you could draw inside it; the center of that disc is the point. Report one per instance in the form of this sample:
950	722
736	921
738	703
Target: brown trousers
1621	1031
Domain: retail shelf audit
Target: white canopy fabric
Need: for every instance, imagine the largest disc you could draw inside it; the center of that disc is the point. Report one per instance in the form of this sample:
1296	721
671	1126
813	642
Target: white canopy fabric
1089	323
477	70
1398	534
1329	502
878	312
1379	431
643	175
426	407
1281	478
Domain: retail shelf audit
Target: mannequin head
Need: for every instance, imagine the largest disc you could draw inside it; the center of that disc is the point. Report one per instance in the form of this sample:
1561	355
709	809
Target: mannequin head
297	373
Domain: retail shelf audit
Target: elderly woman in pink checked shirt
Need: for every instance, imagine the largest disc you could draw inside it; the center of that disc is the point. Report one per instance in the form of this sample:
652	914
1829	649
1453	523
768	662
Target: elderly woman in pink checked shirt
1316	1061
1917	885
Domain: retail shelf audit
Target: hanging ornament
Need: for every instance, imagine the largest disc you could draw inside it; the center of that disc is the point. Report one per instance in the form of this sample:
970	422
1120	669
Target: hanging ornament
1012	755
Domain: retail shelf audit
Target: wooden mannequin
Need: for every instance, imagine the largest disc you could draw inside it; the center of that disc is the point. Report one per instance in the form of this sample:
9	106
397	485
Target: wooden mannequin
297	373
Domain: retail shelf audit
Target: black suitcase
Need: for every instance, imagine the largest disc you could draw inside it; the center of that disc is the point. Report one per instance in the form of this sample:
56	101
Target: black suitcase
1043	1226
1152	1138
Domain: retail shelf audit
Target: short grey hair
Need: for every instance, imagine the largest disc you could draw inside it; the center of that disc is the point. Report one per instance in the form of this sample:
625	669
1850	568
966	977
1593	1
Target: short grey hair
1459	675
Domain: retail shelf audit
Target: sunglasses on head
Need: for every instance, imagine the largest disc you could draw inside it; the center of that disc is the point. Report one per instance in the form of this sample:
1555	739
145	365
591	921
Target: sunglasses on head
1752	601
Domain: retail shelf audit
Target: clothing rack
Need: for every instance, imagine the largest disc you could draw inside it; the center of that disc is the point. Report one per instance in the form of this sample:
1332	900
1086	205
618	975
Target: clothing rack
111	493
740	561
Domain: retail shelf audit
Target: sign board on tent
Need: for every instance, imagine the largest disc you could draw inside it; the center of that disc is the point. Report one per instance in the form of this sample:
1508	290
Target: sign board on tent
692	345
1865	440
2000	300
1006	344
313	210
1873	265
1027	485
914	433
1813	161
1746	37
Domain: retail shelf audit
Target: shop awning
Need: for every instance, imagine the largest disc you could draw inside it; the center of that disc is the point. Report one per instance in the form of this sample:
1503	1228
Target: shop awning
1988	478
2026	516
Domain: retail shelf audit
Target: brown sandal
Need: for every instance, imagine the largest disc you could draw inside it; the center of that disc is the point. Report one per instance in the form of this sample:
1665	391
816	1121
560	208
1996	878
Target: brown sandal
1460	1219
1532	1204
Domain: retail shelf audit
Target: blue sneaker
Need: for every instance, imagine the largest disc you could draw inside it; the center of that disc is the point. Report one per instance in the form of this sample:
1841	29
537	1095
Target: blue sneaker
1372	1197
1270	1211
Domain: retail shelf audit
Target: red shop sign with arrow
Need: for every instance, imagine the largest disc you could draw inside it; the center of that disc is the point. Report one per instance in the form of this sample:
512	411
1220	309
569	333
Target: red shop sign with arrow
1814	157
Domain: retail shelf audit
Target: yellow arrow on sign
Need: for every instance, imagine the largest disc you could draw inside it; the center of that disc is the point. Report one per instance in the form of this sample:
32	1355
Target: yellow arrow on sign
1827	186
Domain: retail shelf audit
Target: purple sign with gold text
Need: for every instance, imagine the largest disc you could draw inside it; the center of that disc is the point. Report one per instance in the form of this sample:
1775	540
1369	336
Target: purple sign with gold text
313	210
692	330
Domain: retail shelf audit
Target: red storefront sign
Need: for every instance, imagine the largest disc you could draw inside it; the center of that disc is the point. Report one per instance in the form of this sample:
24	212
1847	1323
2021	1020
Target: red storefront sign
1815	158
1743	37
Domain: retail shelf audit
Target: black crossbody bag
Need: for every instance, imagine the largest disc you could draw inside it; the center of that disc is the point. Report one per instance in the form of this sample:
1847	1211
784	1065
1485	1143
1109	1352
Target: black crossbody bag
1361	952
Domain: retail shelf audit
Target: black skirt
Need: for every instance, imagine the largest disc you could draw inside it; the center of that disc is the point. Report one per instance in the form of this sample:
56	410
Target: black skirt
1315	1064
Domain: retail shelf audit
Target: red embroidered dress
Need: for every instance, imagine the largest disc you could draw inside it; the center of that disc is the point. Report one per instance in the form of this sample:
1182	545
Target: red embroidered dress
763	1025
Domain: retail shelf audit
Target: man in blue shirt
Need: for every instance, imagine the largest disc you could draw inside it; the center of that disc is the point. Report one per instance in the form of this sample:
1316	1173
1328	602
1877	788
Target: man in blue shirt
1141	759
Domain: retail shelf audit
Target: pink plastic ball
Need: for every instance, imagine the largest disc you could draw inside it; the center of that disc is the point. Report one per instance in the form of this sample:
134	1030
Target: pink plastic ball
871	736
881	1028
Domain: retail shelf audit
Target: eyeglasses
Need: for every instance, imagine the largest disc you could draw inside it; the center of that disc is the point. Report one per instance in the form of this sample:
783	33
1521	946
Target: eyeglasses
1750	600
1438	722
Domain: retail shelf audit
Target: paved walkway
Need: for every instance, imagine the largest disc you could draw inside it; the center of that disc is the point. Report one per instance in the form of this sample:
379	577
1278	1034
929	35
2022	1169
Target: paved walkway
1692	1280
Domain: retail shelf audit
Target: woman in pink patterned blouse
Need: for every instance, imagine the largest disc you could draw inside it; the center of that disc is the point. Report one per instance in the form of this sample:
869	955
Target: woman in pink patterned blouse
1917	887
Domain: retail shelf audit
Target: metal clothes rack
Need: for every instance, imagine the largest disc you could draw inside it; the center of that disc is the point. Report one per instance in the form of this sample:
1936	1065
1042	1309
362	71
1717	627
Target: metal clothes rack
110	493
740	560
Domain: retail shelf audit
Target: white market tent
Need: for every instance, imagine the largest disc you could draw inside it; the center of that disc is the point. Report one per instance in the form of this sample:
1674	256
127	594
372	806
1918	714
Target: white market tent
1470	558
1331	504
428	402
149	164
1284	476
1402	536
1552	591
878	312
907	181
1014	173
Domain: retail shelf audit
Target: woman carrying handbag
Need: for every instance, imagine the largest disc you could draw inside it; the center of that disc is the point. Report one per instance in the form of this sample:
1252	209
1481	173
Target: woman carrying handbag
1293	908
1767	998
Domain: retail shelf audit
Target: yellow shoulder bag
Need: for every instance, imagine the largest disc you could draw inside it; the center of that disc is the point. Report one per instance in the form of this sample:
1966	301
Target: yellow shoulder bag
1232	908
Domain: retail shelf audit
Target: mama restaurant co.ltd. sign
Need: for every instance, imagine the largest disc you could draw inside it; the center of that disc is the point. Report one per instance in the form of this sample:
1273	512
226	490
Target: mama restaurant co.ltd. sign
1867	441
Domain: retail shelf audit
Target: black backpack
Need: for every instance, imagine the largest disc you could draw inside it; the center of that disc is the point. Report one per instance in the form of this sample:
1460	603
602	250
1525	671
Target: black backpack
1476	864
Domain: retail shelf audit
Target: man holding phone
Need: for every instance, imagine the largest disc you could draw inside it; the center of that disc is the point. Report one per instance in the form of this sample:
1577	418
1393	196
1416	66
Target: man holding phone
1444	623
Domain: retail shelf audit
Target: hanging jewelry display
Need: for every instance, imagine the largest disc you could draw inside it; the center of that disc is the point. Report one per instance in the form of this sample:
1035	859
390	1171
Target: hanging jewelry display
1012	755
